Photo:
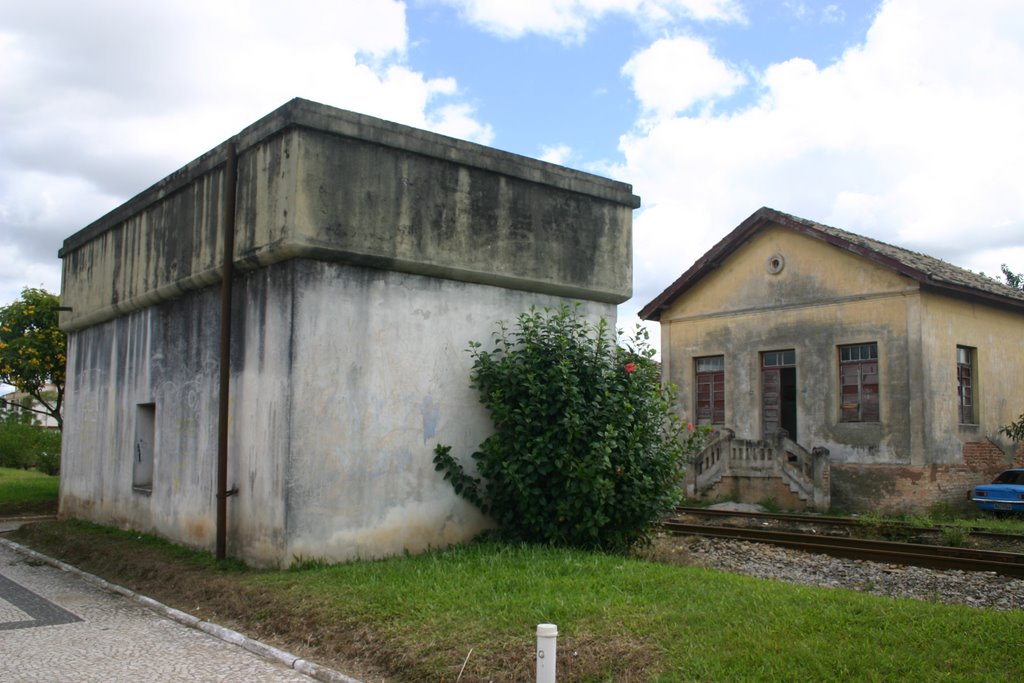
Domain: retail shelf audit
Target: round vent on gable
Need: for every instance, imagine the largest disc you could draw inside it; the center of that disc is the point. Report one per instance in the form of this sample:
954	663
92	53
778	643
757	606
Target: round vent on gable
776	263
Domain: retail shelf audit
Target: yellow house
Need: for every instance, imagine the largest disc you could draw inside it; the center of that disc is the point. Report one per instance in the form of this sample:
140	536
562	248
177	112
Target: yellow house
902	366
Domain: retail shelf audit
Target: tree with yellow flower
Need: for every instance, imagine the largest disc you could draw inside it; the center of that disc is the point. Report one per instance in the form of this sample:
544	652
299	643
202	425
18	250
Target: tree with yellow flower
33	350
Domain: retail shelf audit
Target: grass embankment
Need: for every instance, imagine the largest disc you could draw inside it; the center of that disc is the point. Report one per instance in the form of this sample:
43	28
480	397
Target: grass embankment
966	517
26	491
423	618
1007	525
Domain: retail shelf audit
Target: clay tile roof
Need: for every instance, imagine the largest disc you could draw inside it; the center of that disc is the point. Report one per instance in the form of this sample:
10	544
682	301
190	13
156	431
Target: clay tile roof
932	273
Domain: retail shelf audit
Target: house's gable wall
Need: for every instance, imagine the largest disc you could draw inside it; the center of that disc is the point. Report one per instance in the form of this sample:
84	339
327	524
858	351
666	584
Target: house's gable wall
742	282
918	454
23	406
741	309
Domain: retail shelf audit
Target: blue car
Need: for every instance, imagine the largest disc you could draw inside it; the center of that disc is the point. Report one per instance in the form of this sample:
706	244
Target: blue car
1005	494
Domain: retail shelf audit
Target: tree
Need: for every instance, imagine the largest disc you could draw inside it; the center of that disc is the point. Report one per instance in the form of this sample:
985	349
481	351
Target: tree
1014	430
587	450
33	350
1015	280
24	445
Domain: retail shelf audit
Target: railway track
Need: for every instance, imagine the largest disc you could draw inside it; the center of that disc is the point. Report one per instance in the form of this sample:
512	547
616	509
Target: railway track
853	524
846	546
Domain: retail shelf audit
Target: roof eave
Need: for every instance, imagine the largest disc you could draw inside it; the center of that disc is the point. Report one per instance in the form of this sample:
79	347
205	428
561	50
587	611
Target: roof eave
973	295
731	242
706	263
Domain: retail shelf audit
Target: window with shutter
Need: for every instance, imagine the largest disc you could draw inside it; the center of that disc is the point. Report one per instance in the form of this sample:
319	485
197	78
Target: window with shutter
858	383
710	383
965	384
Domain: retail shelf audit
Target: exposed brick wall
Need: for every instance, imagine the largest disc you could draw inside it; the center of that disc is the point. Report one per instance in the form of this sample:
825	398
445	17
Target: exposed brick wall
985	455
905	488
884	488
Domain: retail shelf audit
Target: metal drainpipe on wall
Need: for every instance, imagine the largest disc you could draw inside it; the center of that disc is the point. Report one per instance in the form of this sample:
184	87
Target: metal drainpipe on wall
230	195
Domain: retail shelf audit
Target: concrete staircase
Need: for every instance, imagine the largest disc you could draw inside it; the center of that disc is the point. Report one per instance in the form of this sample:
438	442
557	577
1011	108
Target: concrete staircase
754	470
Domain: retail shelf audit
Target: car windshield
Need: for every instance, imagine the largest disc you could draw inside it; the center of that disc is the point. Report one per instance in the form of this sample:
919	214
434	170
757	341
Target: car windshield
1010	477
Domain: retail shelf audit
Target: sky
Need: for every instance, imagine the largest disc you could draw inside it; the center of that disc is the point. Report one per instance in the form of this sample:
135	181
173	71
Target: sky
901	120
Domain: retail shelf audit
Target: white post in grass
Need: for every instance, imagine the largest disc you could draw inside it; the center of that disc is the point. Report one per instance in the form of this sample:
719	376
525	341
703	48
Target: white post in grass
547	638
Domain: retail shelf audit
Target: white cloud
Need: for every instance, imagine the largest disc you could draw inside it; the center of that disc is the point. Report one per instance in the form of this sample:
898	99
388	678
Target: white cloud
833	14
103	99
36	210
801	11
674	74
571	19
28	273
556	154
913	137
457	121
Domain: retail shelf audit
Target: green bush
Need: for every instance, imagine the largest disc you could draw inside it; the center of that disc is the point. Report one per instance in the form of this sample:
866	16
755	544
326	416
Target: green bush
586	450
1015	430
26	446
48	455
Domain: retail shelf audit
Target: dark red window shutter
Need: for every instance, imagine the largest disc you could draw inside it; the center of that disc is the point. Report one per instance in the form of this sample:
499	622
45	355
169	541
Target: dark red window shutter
858	382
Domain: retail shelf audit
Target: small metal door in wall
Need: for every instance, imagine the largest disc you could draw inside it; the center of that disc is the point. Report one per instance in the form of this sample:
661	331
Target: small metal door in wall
142	456
778	393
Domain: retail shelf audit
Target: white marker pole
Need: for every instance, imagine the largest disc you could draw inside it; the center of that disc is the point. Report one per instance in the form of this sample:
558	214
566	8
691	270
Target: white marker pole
547	638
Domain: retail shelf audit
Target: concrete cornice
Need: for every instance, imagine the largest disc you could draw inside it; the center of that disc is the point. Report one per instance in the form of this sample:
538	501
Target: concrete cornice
307	114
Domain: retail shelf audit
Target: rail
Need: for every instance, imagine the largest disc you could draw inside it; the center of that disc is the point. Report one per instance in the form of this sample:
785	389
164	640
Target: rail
884	526
915	554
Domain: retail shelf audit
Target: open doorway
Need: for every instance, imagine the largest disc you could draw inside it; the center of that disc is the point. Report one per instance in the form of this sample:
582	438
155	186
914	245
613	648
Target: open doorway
778	393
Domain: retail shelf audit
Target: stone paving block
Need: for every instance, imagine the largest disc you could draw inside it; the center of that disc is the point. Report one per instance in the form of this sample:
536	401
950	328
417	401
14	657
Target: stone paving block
56	626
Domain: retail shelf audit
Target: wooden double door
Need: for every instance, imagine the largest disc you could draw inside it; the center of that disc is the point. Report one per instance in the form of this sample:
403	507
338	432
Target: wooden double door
778	393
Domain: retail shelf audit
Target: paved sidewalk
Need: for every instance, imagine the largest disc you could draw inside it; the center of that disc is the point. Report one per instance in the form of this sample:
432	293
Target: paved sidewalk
12	523
56	625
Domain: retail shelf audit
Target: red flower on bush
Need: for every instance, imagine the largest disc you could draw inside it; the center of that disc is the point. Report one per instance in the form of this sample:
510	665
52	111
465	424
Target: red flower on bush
689	426
630	367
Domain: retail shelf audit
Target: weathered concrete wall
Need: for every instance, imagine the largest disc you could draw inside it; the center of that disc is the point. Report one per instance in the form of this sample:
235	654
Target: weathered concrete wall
167	243
319	182
384	355
344	378
160	356
368	255
408	212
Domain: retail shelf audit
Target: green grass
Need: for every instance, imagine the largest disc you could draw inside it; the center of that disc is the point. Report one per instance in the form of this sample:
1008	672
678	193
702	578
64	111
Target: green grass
424	617
673	623
943	517
26	490
1008	525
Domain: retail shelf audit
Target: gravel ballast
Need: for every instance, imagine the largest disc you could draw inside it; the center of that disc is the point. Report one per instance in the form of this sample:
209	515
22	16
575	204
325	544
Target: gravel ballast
974	589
